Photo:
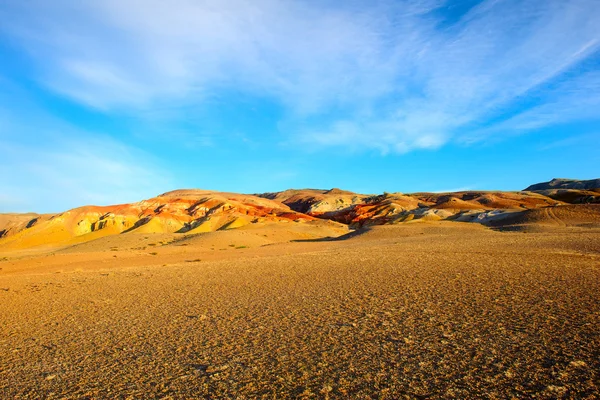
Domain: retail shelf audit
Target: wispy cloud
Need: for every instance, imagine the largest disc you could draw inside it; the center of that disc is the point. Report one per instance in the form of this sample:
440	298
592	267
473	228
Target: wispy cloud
72	172
571	100
50	165
390	76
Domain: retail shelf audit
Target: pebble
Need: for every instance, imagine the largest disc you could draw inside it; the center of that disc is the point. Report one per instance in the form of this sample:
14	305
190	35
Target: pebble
577	363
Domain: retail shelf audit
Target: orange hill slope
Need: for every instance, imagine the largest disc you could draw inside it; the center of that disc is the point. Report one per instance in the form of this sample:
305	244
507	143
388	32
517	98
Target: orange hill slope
182	211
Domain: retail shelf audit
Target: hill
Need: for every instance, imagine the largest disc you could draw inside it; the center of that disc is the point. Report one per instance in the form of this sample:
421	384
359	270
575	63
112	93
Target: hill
181	211
560	183
193	211
570	191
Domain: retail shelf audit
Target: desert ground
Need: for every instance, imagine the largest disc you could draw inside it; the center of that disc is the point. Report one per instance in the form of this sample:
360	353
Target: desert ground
424	310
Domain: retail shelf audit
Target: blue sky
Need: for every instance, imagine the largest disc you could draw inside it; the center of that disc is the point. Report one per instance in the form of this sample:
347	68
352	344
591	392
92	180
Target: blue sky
111	101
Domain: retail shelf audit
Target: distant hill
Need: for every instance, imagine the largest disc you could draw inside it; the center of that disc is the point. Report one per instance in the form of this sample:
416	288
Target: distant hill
194	211
569	190
559	183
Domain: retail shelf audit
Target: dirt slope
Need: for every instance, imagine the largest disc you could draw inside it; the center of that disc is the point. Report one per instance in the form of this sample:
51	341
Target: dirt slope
582	216
572	196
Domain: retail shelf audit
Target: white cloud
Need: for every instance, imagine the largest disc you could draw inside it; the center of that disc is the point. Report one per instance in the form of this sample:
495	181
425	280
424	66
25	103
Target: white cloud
382	136
379	75
110	53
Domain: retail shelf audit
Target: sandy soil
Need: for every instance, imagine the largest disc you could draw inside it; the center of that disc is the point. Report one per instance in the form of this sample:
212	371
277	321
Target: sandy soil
425	310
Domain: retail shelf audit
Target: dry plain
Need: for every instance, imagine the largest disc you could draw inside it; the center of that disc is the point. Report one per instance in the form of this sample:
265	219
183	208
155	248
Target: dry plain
423	310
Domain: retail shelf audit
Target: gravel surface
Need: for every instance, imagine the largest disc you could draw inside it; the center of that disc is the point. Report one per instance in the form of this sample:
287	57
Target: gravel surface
421	312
